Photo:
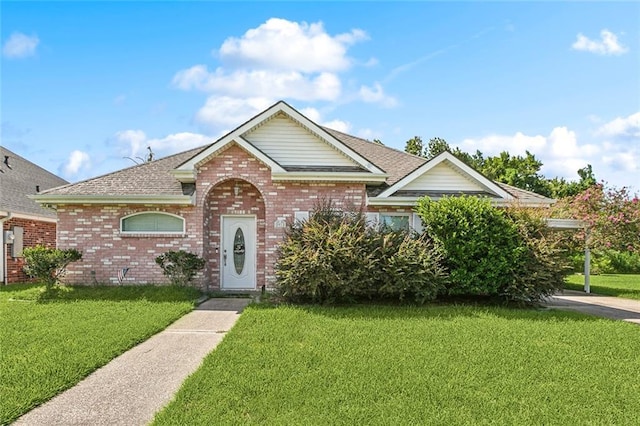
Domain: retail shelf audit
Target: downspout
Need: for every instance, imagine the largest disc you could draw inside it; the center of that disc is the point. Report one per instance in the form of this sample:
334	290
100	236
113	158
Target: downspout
3	251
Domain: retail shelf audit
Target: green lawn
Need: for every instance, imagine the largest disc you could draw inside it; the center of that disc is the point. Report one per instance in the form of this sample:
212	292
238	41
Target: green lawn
444	365
49	344
627	286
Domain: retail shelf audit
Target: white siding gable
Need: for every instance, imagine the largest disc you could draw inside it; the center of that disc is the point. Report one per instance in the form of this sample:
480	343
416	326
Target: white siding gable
443	177
290	144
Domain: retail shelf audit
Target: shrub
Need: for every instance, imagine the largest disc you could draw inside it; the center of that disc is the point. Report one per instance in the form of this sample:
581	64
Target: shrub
609	262
180	266
335	257
48	265
480	243
540	269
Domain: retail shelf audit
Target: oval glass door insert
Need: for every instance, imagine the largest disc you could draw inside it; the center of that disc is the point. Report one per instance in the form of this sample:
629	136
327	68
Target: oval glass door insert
238	251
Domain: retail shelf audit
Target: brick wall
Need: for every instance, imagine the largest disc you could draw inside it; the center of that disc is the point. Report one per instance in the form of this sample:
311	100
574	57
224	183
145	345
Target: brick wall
96	229
35	233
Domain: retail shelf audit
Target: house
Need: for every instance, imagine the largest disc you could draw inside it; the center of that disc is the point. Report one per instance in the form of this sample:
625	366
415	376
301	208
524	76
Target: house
25	223
230	201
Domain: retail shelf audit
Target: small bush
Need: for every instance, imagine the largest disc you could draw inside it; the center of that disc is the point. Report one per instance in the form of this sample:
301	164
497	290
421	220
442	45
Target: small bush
335	257
48	265
180	266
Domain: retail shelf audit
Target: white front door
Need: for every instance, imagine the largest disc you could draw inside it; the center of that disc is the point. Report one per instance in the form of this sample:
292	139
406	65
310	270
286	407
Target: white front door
238	253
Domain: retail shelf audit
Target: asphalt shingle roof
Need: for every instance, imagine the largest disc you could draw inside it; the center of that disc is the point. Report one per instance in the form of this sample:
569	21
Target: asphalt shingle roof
152	178
155	178
18	179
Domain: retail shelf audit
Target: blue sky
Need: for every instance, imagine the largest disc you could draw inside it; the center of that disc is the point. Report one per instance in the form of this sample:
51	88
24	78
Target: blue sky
85	84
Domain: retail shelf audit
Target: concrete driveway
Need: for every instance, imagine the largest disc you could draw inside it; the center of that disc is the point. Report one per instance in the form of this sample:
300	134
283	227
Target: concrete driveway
594	304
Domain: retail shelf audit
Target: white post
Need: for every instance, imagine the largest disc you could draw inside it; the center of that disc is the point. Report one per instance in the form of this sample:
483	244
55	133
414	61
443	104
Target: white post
587	260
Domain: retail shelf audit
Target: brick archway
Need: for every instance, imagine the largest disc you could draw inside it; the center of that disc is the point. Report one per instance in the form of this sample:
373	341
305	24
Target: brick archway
231	197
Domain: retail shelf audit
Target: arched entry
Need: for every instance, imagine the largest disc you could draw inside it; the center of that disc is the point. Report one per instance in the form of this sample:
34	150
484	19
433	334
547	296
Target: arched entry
234	225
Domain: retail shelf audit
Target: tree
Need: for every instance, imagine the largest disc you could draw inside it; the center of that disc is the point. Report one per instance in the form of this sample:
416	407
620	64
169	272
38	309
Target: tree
414	146
435	147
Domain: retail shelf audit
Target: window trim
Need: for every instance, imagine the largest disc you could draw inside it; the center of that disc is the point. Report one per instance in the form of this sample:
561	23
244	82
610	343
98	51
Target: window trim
182	231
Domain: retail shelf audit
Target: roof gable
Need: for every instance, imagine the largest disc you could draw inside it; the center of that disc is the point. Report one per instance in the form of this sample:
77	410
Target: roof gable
446	173
290	144
262	132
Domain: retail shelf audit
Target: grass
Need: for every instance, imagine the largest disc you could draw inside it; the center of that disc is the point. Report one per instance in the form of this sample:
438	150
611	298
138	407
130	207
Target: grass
404	365
50	341
619	285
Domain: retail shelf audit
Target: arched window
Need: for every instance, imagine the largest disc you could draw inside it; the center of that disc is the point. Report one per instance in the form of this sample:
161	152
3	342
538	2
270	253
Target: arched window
152	222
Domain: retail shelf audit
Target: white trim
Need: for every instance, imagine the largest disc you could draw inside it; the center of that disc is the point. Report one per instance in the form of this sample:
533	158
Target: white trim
412	201
184	176
38	218
117	199
231	138
447	156
416	223
566	223
183	231
237	136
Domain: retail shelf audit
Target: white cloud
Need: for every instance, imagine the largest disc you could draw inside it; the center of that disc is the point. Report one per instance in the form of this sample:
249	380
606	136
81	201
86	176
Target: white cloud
377	95
134	143
279	44
20	46
260	83
78	161
339	125
622	127
517	144
607	45
279	59
562	152
225	111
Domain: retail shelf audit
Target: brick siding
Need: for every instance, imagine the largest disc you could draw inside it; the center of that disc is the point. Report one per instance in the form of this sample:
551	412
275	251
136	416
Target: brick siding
35	233
95	229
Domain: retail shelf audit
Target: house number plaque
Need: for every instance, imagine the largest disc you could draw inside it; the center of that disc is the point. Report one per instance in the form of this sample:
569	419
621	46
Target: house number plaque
238	251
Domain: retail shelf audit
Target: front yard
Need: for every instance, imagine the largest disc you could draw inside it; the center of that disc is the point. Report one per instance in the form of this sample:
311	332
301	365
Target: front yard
50	344
619	285
407	365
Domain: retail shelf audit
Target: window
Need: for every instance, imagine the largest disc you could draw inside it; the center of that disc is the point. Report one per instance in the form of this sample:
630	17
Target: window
152	222
395	221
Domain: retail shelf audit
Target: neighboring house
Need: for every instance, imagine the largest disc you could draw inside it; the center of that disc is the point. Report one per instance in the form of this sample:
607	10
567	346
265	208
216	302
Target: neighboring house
230	201
25	223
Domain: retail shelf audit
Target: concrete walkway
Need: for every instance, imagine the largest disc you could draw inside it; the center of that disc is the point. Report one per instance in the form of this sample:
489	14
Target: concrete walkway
137	384
595	304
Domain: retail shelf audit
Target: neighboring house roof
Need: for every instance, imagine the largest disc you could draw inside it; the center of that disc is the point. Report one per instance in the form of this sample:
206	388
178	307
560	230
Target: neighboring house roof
145	182
20	178
392	175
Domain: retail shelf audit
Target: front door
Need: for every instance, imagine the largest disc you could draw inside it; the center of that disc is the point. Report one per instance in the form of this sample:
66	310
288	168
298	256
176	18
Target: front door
238	253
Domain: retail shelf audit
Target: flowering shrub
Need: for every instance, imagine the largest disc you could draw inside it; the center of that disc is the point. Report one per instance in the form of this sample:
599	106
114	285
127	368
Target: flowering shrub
613	216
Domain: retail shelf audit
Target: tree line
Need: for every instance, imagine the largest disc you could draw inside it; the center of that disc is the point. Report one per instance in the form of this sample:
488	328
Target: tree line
520	171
